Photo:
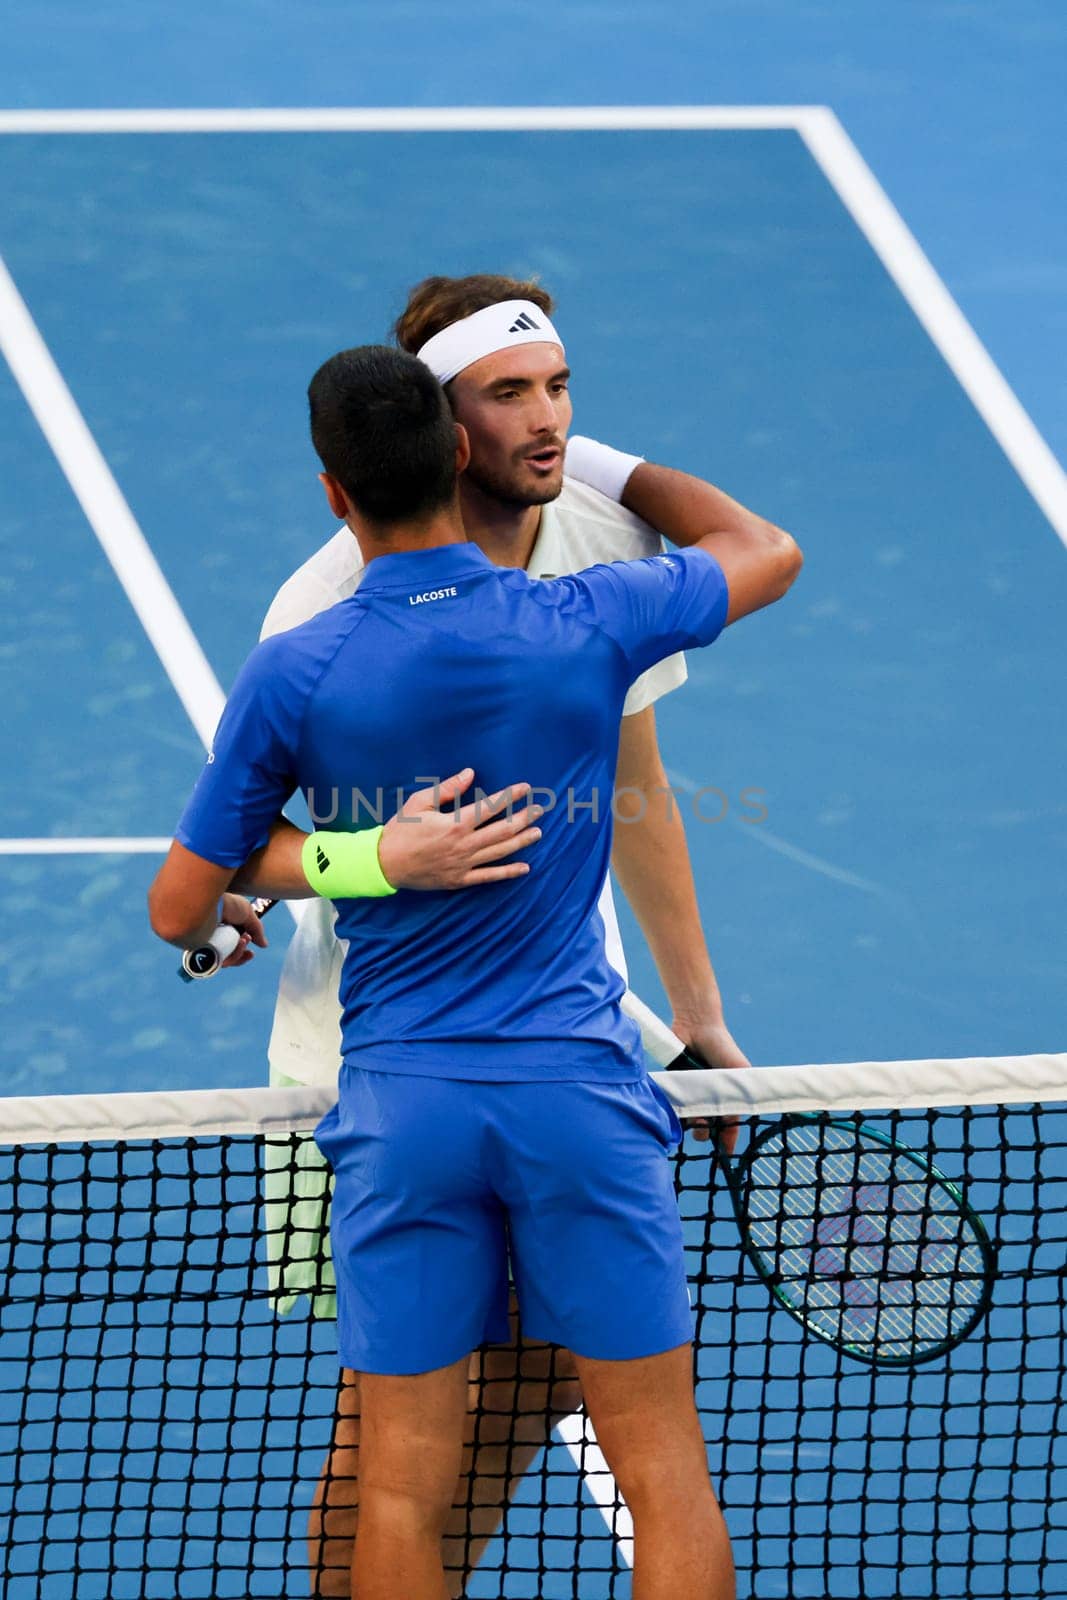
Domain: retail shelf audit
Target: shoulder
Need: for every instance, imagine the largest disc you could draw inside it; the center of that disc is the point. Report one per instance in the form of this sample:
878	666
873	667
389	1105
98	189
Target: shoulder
594	529
291	661
647	585
330	575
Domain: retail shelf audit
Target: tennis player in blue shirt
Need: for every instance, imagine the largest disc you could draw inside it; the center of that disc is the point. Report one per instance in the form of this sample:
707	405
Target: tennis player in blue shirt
493	1101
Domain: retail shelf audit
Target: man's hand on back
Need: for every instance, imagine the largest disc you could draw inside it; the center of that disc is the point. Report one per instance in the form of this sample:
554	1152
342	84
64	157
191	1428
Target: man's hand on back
422	847
425	847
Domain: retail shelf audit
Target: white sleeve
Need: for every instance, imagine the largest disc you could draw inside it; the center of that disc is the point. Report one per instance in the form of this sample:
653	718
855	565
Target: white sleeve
593	529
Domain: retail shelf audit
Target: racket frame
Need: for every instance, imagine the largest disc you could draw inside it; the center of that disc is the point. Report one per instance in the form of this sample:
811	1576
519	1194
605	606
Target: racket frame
733	1170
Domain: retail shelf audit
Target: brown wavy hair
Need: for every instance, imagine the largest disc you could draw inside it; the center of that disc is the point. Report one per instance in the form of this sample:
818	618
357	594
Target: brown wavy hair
435	303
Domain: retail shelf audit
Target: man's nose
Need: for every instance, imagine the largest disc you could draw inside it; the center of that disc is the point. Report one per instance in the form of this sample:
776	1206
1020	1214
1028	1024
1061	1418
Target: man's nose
543	415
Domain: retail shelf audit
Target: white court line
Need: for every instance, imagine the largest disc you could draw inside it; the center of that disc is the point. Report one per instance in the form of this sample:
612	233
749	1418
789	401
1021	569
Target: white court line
576	1432
826	139
969	360
84	847
109	516
111	519
830	147
399	119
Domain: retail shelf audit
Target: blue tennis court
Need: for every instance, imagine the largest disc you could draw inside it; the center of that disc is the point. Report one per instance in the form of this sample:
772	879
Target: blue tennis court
896	714
873	773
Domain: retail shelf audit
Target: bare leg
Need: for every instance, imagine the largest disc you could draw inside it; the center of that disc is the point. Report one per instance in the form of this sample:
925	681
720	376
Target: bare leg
334	1512
411	1448
516	1393
646	1422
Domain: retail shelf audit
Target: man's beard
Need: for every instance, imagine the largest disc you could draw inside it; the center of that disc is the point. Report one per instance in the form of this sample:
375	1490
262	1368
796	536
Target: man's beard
510	490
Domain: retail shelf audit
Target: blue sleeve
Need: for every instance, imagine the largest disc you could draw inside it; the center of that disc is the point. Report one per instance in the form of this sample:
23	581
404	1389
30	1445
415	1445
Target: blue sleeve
656	607
250	772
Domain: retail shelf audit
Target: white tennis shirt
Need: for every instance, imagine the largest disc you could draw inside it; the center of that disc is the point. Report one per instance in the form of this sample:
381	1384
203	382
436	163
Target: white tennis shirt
578	530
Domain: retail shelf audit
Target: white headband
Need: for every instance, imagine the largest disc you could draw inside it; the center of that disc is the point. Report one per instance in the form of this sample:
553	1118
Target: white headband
497	327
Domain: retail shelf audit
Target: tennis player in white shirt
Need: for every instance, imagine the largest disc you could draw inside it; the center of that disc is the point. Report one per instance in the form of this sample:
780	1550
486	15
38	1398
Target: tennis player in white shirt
530	500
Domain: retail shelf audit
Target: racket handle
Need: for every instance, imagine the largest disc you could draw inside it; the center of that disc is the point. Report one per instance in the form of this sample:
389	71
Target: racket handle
205	961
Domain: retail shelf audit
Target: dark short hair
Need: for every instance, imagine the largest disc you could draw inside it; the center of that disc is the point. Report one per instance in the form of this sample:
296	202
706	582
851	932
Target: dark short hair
382	427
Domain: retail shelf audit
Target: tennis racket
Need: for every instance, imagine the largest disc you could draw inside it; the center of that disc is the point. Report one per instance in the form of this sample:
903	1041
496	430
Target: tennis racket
205	961
860	1238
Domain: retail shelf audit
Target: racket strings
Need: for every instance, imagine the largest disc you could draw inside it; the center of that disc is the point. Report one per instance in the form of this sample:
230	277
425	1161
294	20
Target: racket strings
868	1245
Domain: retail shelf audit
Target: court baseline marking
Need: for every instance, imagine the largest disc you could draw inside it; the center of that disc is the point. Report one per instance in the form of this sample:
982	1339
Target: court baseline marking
826	140
126	548
969	360
98	846
831	148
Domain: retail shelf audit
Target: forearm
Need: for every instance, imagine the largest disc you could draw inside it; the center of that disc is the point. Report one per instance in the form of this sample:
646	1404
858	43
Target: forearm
276	871
651	863
760	561
429	844
193	936
183	901
683	508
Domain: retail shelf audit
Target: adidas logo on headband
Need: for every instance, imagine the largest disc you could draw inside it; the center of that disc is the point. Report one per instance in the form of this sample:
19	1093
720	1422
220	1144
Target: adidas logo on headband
495	327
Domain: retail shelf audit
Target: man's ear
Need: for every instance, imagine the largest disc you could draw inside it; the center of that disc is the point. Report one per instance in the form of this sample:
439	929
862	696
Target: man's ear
463	448
336	496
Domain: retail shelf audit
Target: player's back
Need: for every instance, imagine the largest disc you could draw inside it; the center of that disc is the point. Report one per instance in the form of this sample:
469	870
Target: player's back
446	661
442	661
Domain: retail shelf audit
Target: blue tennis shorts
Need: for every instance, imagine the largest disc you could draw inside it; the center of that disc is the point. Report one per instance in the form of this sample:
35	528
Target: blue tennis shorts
438	1180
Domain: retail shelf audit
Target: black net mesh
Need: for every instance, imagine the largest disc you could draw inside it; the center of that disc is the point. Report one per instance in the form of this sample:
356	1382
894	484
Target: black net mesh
163	1430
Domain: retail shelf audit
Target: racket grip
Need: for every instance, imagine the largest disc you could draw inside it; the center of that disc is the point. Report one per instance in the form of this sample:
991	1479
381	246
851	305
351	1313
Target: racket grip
205	961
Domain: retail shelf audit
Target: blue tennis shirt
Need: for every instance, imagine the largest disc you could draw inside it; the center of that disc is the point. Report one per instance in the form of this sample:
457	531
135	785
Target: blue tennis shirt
441	660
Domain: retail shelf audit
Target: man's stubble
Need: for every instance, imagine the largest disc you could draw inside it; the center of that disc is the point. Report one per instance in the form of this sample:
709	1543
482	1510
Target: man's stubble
510	490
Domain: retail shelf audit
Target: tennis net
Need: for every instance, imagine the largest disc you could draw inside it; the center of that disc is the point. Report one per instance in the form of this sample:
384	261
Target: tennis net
163	1428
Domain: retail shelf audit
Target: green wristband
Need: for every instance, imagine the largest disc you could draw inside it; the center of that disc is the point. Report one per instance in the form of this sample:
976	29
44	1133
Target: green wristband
345	866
